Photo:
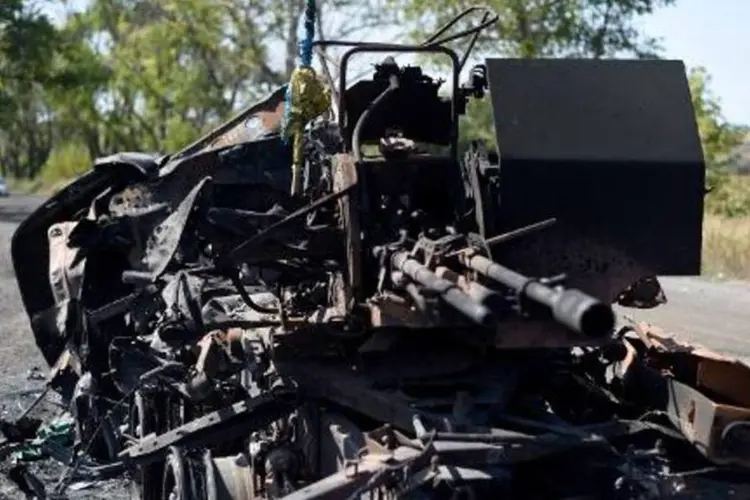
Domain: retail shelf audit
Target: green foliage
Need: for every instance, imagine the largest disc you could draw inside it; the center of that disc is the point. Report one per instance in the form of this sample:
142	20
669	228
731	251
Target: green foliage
66	161
173	68
477	124
26	130
159	73
545	28
732	198
25	186
729	195
27	39
27	42
155	74
142	74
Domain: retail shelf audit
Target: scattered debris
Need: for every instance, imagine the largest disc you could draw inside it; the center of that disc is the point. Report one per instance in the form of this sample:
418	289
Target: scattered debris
35	373
49	438
260	318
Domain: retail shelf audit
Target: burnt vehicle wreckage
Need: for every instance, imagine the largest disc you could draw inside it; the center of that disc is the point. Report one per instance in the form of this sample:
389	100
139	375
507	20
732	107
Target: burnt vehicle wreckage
364	311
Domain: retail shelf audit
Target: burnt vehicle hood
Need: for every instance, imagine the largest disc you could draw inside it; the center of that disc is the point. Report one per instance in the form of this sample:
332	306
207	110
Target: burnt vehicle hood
38	283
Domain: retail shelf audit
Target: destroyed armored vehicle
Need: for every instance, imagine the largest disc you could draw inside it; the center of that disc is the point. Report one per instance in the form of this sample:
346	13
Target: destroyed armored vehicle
394	316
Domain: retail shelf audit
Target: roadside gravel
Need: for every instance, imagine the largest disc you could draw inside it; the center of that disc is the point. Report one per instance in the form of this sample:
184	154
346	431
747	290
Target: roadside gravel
18	353
20	381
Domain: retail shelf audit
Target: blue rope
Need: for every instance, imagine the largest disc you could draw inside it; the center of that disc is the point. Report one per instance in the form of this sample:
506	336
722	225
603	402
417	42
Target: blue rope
305	49
287	113
305	55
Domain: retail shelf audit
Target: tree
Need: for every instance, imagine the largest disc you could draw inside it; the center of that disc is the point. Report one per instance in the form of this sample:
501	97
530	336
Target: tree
546	28
174	67
539	28
27	38
143	74
719	139
27	42
26	131
163	72
81	79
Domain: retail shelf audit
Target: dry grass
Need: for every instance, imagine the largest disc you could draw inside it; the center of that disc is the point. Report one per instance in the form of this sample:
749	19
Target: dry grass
726	247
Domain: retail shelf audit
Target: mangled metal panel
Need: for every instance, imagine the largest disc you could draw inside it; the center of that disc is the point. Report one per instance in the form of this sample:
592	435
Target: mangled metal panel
703	393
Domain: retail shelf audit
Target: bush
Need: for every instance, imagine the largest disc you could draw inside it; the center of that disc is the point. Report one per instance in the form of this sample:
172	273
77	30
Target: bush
730	197
66	161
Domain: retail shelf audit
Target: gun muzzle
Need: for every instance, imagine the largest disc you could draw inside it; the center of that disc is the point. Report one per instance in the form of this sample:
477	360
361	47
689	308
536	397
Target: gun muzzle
583	313
572	308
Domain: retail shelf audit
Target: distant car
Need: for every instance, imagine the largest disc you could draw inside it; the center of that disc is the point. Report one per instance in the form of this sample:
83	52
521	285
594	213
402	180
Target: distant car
4	191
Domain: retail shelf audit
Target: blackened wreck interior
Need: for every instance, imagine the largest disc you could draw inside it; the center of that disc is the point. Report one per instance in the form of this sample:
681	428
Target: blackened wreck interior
417	320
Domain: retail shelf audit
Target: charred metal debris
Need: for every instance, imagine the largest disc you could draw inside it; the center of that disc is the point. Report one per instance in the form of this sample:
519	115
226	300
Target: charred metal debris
414	319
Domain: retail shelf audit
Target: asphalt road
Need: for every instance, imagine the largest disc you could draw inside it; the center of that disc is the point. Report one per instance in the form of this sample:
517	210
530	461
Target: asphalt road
22	368
17	350
17	208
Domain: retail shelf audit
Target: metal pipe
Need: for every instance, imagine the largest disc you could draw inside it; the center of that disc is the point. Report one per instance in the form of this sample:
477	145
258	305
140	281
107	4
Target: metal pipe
448	291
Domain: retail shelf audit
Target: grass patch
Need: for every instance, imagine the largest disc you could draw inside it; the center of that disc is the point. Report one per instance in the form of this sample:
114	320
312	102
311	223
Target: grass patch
25	186
66	161
731	197
726	247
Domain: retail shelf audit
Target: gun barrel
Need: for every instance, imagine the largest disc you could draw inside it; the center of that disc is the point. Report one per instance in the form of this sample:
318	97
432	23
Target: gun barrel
574	309
477	292
448	291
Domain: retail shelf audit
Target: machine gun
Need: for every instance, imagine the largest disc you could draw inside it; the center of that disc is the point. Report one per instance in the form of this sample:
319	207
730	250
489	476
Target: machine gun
588	177
455	270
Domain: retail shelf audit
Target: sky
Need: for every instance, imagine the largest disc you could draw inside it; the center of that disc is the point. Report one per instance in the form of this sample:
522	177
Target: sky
714	34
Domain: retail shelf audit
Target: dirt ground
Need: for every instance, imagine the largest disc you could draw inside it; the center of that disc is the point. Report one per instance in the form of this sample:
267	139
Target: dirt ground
20	368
